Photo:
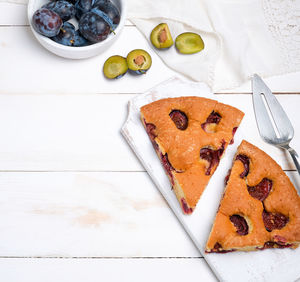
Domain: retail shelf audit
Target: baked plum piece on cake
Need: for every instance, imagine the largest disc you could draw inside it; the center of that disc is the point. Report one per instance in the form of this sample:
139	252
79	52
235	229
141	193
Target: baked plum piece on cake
260	208
190	135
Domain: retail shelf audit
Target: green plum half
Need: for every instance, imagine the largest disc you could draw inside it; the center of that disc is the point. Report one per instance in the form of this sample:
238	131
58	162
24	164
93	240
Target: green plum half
161	37
115	67
139	61
189	43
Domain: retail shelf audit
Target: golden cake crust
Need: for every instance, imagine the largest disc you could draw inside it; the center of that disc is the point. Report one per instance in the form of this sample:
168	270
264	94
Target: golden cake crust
237	200
183	146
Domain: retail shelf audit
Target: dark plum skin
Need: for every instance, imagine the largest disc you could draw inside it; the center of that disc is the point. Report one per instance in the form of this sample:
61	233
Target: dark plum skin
66	35
79	40
109	9
70	1
96	2
46	22
104	16
82	7
93	27
63	8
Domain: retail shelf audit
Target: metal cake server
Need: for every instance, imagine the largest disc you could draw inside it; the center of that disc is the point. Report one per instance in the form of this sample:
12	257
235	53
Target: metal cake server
273	124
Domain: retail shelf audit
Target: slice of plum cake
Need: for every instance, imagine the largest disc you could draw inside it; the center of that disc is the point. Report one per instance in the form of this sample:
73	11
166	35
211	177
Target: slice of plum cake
260	208
189	135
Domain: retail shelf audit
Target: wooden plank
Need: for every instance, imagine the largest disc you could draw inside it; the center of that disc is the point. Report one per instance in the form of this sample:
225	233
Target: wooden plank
286	83
29	68
64	132
108	214
13	14
82	132
109	270
87	215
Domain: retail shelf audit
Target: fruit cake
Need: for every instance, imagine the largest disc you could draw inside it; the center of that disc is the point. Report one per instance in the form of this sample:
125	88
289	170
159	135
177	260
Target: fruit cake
260	208
189	135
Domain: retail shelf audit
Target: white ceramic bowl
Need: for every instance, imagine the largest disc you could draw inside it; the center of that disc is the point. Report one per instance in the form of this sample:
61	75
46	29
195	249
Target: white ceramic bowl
76	52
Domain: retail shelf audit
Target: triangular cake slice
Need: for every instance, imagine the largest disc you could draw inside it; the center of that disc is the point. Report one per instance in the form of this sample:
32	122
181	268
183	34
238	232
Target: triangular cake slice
190	135
260	207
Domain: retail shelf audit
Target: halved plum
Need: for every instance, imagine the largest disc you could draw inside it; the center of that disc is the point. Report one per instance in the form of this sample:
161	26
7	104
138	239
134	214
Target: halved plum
246	162
179	118
189	43
161	36
115	67
240	224
212	156
139	61
274	220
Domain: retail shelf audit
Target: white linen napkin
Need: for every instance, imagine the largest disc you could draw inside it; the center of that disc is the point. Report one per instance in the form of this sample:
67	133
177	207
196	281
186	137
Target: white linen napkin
241	37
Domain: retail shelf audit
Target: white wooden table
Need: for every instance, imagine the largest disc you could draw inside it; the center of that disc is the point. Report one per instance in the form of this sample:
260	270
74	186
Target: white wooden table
75	203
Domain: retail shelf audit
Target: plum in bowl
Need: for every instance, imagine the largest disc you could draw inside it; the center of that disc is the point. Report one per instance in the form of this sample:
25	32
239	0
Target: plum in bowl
76	29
